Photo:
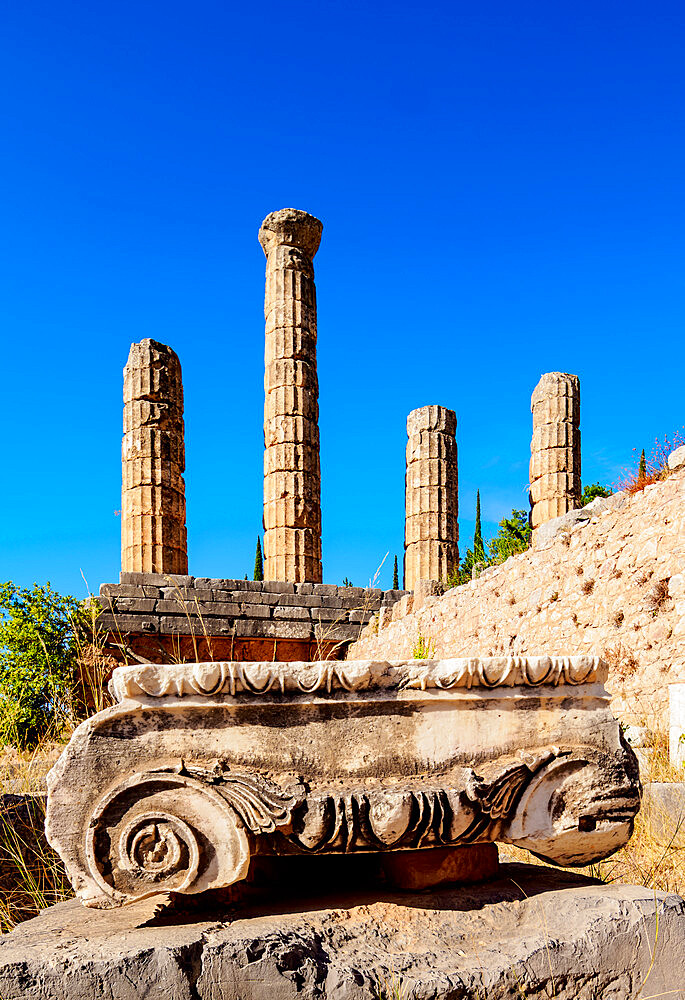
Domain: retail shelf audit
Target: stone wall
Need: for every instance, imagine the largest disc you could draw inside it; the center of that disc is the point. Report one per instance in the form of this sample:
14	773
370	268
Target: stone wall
167	618
607	579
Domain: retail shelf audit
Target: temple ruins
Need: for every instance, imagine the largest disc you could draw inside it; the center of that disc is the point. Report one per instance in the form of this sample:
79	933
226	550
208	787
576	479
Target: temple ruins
292	476
159	611
153	503
431	527
555	448
260	815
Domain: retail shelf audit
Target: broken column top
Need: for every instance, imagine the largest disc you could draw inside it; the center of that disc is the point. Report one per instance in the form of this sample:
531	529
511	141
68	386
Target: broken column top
432	418
555	384
291	227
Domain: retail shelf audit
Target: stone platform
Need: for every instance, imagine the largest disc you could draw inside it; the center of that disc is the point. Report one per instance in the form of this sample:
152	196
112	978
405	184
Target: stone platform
170	618
532	932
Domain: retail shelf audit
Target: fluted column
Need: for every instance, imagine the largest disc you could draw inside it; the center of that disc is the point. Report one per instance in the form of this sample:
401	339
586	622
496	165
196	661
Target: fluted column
153	505
292	476
431	530
555	447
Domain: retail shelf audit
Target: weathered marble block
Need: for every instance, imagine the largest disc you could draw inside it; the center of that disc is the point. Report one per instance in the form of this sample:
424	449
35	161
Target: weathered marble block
202	765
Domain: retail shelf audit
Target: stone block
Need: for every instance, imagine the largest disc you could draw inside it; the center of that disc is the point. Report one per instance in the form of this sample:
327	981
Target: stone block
221	609
530	932
128	590
157	579
256	610
278	587
419	870
133	605
676	460
293	614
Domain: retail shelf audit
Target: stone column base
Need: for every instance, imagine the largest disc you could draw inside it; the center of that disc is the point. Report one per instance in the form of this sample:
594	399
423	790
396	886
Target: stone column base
533	931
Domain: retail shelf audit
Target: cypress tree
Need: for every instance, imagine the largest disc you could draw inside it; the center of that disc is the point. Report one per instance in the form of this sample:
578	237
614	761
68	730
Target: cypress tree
478	547
395	579
642	468
258	564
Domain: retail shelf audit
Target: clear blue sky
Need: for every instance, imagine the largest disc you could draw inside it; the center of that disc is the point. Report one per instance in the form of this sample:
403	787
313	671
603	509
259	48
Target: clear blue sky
501	187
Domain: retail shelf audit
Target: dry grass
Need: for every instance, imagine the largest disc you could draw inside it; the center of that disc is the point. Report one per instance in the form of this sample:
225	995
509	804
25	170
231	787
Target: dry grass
656	466
31	873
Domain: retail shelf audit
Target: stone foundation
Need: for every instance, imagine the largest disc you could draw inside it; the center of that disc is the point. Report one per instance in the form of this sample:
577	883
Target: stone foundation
168	619
532	932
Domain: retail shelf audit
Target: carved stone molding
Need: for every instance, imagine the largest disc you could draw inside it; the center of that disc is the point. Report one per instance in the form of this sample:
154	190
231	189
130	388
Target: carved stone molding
228	678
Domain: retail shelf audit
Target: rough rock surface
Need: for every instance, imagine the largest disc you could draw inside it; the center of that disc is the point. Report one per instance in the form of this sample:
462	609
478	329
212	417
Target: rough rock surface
534	932
610	582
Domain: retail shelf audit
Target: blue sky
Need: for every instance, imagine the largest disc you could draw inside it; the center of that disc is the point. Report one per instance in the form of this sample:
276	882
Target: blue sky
501	188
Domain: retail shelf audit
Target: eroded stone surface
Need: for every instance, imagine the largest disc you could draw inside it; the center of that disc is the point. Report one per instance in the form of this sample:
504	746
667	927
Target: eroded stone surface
153	505
292	475
431	528
201	766
555	447
532	932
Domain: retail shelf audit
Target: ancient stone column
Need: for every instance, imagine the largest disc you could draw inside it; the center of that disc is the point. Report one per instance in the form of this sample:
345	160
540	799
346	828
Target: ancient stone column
431	528
292	476
153	504
555	448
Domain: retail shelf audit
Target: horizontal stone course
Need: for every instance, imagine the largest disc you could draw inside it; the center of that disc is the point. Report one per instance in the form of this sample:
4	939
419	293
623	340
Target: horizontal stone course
145	603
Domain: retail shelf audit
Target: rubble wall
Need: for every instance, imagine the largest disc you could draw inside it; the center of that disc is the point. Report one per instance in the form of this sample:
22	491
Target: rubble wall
608	579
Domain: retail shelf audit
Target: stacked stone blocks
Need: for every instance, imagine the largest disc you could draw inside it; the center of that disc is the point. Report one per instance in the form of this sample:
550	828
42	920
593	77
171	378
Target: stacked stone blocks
292	475
431	496
153	506
555	484
151	604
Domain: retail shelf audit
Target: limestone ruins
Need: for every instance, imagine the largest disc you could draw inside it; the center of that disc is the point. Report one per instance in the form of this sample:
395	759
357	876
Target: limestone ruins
201	766
555	448
292	477
153	503
431	527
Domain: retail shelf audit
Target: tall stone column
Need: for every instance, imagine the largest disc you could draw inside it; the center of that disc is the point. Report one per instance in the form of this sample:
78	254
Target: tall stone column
555	448
431	528
292	475
153	504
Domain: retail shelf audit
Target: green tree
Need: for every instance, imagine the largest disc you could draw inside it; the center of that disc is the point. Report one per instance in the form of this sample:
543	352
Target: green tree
513	537
592	491
395	578
258	562
478	546
41	634
642	468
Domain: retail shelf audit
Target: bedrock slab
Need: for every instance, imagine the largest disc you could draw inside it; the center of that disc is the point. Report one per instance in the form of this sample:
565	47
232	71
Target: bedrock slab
534	932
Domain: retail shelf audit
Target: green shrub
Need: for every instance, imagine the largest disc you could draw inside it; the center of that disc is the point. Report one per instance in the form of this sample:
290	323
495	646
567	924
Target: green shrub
592	491
41	634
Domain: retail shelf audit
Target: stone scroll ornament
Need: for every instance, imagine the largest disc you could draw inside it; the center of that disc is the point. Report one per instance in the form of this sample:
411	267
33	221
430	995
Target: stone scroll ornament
198	767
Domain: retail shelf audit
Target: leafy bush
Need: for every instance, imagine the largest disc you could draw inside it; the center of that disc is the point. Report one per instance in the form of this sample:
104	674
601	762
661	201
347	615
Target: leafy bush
592	491
41	636
513	537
